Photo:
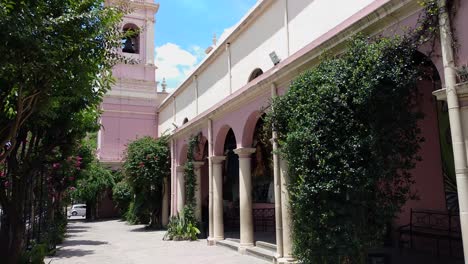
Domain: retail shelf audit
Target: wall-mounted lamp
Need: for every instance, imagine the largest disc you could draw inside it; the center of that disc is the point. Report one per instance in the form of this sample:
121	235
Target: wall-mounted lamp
274	58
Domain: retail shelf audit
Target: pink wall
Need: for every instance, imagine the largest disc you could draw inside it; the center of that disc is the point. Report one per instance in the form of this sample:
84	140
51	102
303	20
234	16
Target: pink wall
123	121
428	173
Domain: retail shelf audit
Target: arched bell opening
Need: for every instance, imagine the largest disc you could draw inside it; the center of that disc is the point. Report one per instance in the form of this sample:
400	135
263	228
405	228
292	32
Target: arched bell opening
131	41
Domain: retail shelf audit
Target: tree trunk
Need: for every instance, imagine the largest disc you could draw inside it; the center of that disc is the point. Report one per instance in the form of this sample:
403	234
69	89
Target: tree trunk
11	236
90	211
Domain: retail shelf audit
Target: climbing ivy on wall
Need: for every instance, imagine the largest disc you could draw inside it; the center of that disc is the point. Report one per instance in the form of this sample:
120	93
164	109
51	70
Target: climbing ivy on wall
184	225
349	131
189	170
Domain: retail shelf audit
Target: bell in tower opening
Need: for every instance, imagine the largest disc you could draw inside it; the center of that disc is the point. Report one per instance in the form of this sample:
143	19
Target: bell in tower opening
130	43
128	46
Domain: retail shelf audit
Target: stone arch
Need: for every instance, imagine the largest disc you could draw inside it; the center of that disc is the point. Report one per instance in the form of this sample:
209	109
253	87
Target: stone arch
426	54
249	128
432	173
221	138
255	73
182	157
131	43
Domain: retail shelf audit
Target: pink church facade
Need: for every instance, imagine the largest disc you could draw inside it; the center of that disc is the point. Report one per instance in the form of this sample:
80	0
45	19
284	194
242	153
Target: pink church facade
130	108
223	99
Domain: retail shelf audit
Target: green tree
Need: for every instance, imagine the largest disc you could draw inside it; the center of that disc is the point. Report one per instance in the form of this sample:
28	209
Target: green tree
52	47
146	165
123	196
348	129
90	188
56	68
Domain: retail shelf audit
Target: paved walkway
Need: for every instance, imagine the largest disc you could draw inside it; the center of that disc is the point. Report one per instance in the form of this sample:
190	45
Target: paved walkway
118	243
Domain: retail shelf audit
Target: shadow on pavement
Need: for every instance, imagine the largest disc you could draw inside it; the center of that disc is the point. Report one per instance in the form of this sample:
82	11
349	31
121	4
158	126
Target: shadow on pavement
71	227
74	231
70	253
146	229
83	243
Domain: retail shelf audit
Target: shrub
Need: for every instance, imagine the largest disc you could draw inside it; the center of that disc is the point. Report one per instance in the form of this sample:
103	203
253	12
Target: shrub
184	226
122	195
181	227
35	255
348	129
146	165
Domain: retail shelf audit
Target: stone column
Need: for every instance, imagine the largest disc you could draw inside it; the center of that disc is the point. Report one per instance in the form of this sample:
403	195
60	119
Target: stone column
277	179
173	179
218	225
210	184
245	197
455	118
165	206
286	214
180	188
198	194
278	204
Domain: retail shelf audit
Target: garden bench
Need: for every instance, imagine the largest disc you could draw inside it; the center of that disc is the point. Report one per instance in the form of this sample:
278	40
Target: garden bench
436	225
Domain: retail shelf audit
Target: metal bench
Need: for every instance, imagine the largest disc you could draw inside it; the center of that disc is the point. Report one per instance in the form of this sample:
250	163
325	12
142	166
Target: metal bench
436	225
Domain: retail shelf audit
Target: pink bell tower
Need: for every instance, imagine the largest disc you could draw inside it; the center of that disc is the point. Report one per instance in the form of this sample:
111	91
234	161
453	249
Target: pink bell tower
129	108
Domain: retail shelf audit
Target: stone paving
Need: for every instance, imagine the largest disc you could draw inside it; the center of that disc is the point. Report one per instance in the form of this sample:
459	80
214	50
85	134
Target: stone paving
118	243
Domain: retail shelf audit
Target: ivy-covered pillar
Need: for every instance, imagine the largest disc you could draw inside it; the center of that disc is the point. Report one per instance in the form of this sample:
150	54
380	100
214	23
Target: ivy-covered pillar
286	214
198	195
245	196
218	224
165	203
180	188
173	179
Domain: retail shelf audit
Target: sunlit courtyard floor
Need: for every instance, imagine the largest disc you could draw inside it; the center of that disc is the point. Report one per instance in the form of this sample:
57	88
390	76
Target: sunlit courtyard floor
118	243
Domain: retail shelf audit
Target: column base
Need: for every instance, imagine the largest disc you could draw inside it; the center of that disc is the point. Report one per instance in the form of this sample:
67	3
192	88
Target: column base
243	247
285	260
211	241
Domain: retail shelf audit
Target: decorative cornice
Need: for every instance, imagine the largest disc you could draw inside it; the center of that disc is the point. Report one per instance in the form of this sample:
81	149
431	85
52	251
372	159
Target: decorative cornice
129	112
461	89
143	4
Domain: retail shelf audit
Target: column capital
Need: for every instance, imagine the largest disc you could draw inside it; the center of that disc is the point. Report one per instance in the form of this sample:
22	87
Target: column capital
217	159
244	152
180	168
198	164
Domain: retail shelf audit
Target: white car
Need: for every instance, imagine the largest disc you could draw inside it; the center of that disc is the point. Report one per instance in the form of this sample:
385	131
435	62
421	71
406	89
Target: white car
77	210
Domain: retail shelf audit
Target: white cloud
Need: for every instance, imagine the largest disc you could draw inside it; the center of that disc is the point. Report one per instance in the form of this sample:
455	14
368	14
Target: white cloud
226	33
175	63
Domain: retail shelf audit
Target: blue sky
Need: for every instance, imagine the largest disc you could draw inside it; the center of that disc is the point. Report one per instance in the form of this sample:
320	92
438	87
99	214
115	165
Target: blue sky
185	28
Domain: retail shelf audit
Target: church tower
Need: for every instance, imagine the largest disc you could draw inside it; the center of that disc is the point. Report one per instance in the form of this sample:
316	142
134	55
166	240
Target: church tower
129	108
